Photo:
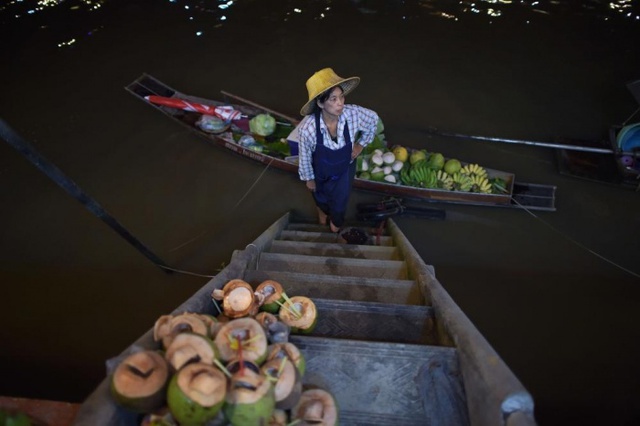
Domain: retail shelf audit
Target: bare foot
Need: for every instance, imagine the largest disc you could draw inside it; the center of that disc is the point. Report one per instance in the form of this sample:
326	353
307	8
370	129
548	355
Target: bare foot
322	217
334	228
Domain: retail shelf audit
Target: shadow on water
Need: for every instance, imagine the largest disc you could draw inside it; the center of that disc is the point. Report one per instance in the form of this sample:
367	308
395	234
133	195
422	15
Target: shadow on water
76	294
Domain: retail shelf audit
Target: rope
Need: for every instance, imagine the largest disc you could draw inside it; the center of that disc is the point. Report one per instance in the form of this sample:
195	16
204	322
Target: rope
582	246
206	231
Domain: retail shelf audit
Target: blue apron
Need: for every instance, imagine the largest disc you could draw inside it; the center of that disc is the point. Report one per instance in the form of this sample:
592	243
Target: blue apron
334	173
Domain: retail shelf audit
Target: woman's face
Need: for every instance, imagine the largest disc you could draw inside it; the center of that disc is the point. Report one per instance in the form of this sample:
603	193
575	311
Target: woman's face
334	103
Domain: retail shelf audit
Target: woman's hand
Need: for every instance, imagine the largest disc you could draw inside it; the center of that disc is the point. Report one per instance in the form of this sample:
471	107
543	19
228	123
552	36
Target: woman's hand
357	149
311	185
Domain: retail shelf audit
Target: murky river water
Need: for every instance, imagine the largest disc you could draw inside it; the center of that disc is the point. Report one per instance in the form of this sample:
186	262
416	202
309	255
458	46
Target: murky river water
557	294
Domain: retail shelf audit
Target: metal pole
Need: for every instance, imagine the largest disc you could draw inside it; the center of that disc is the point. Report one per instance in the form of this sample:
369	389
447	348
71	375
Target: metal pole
53	172
532	143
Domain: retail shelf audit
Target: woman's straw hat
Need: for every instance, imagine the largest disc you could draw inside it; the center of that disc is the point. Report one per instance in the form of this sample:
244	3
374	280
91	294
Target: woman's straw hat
324	80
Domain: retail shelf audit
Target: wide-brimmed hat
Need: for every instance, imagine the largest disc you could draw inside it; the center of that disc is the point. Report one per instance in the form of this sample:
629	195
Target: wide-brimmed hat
324	80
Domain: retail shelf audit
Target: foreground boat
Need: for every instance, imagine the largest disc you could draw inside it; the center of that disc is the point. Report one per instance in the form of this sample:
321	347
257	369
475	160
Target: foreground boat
389	344
276	153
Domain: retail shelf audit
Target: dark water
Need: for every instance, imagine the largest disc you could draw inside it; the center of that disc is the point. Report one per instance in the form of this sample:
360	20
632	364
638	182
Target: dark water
550	291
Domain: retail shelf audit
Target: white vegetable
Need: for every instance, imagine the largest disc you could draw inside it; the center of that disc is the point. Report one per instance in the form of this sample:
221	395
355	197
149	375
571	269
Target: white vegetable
377	160
365	165
377	152
397	165
387	170
388	158
376	169
390	178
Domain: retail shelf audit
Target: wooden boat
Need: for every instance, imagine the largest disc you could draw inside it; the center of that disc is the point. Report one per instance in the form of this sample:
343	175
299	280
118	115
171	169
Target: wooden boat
276	154
389	344
604	168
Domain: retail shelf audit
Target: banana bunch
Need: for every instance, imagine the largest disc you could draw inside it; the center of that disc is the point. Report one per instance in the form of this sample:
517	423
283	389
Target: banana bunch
419	175
461	182
480	184
407	178
472	170
444	180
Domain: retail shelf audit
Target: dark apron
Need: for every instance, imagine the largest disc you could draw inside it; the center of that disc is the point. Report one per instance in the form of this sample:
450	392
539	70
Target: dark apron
334	173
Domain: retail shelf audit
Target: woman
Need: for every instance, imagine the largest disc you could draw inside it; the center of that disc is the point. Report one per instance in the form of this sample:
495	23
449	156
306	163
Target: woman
327	144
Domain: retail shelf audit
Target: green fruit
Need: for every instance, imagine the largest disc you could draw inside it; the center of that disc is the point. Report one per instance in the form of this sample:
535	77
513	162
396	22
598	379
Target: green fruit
18	419
436	161
365	176
378	176
452	166
417	156
196	393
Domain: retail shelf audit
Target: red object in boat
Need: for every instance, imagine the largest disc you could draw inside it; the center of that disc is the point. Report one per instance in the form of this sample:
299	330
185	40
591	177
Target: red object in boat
225	112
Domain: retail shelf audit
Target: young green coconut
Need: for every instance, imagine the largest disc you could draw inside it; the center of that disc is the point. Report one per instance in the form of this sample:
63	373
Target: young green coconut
196	393
139	382
169	326
188	348
316	407
238	299
291	352
273	295
300	314
287	382
250	399
242	338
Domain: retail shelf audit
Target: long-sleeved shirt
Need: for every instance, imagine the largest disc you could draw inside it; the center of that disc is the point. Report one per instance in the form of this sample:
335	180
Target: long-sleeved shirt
360	119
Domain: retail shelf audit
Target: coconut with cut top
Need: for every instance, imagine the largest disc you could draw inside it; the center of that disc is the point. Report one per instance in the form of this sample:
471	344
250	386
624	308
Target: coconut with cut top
288	382
242	338
167	327
196	393
238	299
300	313
273	295
188	348
250	398
317	407
290	351
139	381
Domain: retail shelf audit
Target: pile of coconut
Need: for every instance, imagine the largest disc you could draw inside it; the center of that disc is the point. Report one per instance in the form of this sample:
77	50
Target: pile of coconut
236	368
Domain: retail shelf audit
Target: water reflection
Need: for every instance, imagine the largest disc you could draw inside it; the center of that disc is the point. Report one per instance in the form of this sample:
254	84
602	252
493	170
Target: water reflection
208	14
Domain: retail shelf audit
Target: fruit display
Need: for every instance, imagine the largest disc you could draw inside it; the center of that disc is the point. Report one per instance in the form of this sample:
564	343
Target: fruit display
422	169
236	368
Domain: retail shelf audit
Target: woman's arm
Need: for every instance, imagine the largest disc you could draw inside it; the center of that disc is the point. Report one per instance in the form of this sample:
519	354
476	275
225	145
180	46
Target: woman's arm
306	146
